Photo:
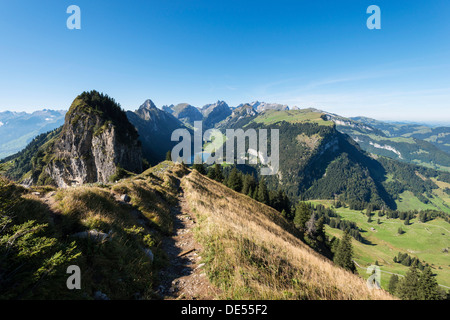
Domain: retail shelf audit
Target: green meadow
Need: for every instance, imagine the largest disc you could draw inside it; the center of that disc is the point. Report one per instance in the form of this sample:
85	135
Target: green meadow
293	116
425	241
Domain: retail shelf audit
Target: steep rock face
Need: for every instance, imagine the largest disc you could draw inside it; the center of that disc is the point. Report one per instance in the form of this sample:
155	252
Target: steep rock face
238	117
263	106
95	140
155	128
260	107
146	109
187	113
168	109
214	113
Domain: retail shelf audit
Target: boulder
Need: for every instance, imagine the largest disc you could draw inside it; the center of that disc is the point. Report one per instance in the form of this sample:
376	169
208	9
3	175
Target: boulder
125	198
92	234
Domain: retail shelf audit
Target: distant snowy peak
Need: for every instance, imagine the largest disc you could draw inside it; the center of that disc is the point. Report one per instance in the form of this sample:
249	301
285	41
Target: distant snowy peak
271	106
264	106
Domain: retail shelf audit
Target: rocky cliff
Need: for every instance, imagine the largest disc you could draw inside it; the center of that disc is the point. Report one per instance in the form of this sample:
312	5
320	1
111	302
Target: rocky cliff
214	113
155	128
184	112
95	142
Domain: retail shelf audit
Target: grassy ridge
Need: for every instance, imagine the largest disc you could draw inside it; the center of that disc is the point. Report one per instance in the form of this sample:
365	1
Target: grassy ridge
292	116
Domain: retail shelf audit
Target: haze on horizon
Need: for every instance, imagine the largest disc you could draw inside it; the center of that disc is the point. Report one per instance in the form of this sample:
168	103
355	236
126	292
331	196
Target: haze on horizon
301	53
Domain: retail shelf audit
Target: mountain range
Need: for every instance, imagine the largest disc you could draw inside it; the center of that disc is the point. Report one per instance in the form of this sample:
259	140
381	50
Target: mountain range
407	142
100	188
322	155
410	143
17	129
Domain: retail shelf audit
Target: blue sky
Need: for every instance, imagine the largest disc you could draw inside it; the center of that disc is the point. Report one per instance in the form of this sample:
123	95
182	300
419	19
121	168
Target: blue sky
302	53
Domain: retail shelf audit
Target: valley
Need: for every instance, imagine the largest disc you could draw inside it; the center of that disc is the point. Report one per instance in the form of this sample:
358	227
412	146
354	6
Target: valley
426	241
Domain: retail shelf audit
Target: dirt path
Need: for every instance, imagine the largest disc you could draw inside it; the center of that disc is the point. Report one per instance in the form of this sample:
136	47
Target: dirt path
184	277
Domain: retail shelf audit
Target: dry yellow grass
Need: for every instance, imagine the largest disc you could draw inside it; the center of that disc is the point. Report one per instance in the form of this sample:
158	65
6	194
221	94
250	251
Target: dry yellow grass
250	255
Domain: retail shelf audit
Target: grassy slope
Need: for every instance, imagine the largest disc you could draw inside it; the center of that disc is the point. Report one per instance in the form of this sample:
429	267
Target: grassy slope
292	116
408	201
440	200
422	240
250	255
119	266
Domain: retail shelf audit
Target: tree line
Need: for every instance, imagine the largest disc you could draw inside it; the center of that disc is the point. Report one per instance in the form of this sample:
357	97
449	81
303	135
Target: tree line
406	260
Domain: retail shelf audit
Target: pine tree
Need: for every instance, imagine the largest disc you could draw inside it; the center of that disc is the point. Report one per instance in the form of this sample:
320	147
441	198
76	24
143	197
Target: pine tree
218	175
406	261
286	205
211	174
198	165
334	244
344	253
320	230
248	182
250	192
255	193
428	286
235	180
302	215
393	282
406	223
263	194
369	210
225	180
408	287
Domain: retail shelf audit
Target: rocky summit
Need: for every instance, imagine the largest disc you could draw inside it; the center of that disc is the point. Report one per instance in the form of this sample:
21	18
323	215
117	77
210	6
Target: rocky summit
96	141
